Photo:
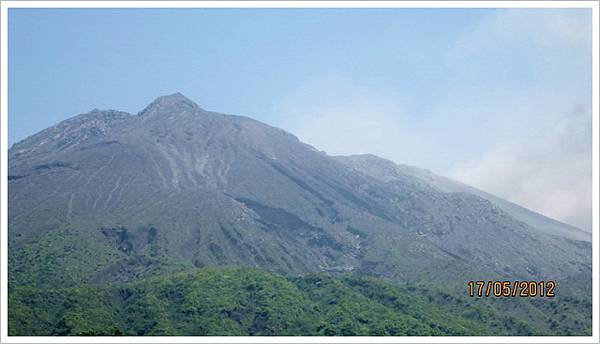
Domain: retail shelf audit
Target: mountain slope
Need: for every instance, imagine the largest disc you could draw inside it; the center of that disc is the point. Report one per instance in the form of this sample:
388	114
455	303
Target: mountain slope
388	171
176	187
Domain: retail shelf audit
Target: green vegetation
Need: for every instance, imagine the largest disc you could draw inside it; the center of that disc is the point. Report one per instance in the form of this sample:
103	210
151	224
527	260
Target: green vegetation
245	301
60	258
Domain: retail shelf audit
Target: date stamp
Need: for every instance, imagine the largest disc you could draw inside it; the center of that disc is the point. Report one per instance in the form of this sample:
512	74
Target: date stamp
511	288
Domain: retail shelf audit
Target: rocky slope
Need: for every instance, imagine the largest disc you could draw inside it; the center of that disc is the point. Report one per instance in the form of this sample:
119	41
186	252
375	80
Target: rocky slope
390	172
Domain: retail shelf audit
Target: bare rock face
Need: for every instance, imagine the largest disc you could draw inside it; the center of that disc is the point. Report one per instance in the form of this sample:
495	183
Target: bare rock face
108	196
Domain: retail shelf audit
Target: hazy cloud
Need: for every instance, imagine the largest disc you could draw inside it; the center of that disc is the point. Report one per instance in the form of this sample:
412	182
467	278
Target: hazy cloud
336	115
549	173
541	157
505	122
547	28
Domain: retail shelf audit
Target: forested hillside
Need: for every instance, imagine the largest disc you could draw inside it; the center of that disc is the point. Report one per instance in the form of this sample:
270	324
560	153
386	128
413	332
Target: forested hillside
246	301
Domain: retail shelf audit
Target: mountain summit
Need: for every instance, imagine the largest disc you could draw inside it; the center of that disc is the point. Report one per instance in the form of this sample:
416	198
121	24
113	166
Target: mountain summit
172	103
178	187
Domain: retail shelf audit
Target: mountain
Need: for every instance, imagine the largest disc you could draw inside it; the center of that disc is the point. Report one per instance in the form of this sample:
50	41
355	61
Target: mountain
176	188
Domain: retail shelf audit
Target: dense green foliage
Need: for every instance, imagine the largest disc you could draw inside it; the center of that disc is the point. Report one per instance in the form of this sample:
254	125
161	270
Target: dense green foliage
244	301
60	258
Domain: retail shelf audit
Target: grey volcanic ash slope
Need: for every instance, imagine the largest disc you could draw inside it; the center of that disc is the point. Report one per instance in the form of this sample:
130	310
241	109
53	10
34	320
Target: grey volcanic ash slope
387	171
109	196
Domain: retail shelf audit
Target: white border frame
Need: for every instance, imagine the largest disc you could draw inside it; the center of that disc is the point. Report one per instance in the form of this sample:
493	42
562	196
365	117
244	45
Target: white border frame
5	5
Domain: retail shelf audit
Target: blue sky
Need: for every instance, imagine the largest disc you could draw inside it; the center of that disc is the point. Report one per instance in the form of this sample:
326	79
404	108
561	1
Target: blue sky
480	95
236	61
